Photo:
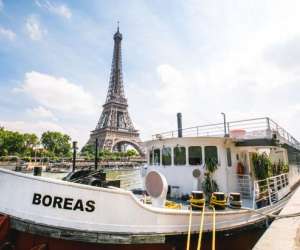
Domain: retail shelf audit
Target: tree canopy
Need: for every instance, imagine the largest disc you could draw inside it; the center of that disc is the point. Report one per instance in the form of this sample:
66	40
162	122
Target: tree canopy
56	143
24	145
15	143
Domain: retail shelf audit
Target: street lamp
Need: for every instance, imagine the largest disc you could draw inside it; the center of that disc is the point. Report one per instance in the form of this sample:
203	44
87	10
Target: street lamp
74	155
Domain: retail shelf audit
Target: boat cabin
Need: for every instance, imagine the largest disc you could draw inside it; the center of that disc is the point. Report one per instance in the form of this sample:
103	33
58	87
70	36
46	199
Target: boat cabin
183	160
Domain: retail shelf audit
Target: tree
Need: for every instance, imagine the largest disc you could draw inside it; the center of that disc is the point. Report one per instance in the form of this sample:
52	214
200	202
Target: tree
56	143
31	141
11	143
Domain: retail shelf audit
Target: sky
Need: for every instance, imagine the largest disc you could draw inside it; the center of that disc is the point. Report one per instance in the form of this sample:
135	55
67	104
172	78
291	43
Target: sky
198	57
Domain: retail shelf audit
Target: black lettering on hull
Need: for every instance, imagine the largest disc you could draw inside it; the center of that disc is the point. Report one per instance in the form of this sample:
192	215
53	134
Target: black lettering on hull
63	203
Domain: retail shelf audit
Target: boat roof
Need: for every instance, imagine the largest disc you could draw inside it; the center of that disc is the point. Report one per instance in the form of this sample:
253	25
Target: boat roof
238	131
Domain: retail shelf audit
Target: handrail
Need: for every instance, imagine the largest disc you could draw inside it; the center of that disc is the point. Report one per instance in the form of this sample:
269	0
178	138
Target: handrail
270	189
263	127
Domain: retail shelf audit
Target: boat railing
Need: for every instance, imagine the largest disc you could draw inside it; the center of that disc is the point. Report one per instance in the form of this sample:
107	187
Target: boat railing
240	130
270	190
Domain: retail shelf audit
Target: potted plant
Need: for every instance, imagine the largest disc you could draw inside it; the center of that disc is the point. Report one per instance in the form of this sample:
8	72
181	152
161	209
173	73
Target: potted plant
209	185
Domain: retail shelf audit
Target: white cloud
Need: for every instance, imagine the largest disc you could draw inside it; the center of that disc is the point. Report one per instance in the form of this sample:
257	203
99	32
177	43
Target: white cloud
173	93
7	33
58	94
34	28
202	95
41	112
58	9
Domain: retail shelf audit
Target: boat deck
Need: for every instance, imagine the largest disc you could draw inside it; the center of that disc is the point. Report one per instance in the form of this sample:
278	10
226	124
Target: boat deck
246	203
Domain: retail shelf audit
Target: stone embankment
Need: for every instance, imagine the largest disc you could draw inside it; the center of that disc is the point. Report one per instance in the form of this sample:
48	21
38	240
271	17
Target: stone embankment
284	233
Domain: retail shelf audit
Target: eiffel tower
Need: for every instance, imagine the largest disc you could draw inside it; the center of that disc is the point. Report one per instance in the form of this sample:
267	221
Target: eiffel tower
115	130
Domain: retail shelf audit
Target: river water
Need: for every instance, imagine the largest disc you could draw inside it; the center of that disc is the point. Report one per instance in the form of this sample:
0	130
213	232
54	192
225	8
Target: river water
130	178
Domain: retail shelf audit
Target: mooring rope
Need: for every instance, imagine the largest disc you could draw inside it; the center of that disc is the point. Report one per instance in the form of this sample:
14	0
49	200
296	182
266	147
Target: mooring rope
189	230
200	227
270	215
213	243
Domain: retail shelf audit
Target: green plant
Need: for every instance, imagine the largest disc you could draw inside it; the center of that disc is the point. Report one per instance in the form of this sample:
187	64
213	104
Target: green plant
26	158
211	165
285	168
209	185
262	166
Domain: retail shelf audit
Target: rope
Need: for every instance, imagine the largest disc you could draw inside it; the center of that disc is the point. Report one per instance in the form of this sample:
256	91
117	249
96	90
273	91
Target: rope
189	231
213	243
173	205
201	228
274	216
195	202
201	224
214	201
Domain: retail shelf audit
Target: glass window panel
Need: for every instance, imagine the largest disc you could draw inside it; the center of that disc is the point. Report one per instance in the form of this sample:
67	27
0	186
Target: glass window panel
195	155
229	161
179	156
156	153
211	152
166	156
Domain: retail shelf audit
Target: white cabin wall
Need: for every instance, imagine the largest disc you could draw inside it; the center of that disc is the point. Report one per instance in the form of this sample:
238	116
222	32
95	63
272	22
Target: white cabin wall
182	175
232	171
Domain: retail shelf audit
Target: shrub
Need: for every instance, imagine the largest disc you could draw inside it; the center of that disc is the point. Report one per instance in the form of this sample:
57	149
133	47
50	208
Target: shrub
262	166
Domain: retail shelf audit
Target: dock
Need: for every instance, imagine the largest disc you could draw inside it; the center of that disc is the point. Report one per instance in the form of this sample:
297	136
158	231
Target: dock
283	233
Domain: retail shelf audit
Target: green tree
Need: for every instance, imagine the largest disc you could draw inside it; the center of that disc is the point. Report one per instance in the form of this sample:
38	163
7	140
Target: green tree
56	143
11	143
31	141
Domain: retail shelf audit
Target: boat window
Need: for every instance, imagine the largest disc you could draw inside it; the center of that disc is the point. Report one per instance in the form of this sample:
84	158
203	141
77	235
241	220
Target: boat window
179	156
211	152
195	155
229	161
166	156
150	157
156	154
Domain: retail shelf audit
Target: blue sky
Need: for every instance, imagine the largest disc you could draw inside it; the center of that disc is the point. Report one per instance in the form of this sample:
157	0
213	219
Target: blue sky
200	57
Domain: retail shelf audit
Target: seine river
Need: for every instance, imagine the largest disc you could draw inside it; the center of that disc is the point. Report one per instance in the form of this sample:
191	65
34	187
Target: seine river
130	178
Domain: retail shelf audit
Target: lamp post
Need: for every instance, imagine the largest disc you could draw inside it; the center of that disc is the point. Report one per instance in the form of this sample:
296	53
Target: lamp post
96	154
74	155
224	120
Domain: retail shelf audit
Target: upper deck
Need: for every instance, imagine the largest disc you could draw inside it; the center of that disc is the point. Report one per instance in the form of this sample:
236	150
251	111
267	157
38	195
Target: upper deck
242	130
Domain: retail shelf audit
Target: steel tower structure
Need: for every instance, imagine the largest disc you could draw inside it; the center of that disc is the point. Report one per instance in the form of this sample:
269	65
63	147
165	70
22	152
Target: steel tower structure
115	127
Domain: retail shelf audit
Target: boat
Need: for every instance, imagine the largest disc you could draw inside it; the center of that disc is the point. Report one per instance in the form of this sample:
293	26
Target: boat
176	167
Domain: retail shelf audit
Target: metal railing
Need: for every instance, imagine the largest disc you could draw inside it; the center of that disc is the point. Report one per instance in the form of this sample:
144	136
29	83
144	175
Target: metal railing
270	190
241	130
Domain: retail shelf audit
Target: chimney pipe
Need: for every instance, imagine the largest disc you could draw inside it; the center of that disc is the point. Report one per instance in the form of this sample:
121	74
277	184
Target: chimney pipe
179	124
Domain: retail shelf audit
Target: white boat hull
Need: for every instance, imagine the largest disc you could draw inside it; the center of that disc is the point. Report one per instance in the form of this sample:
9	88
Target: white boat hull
115	211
